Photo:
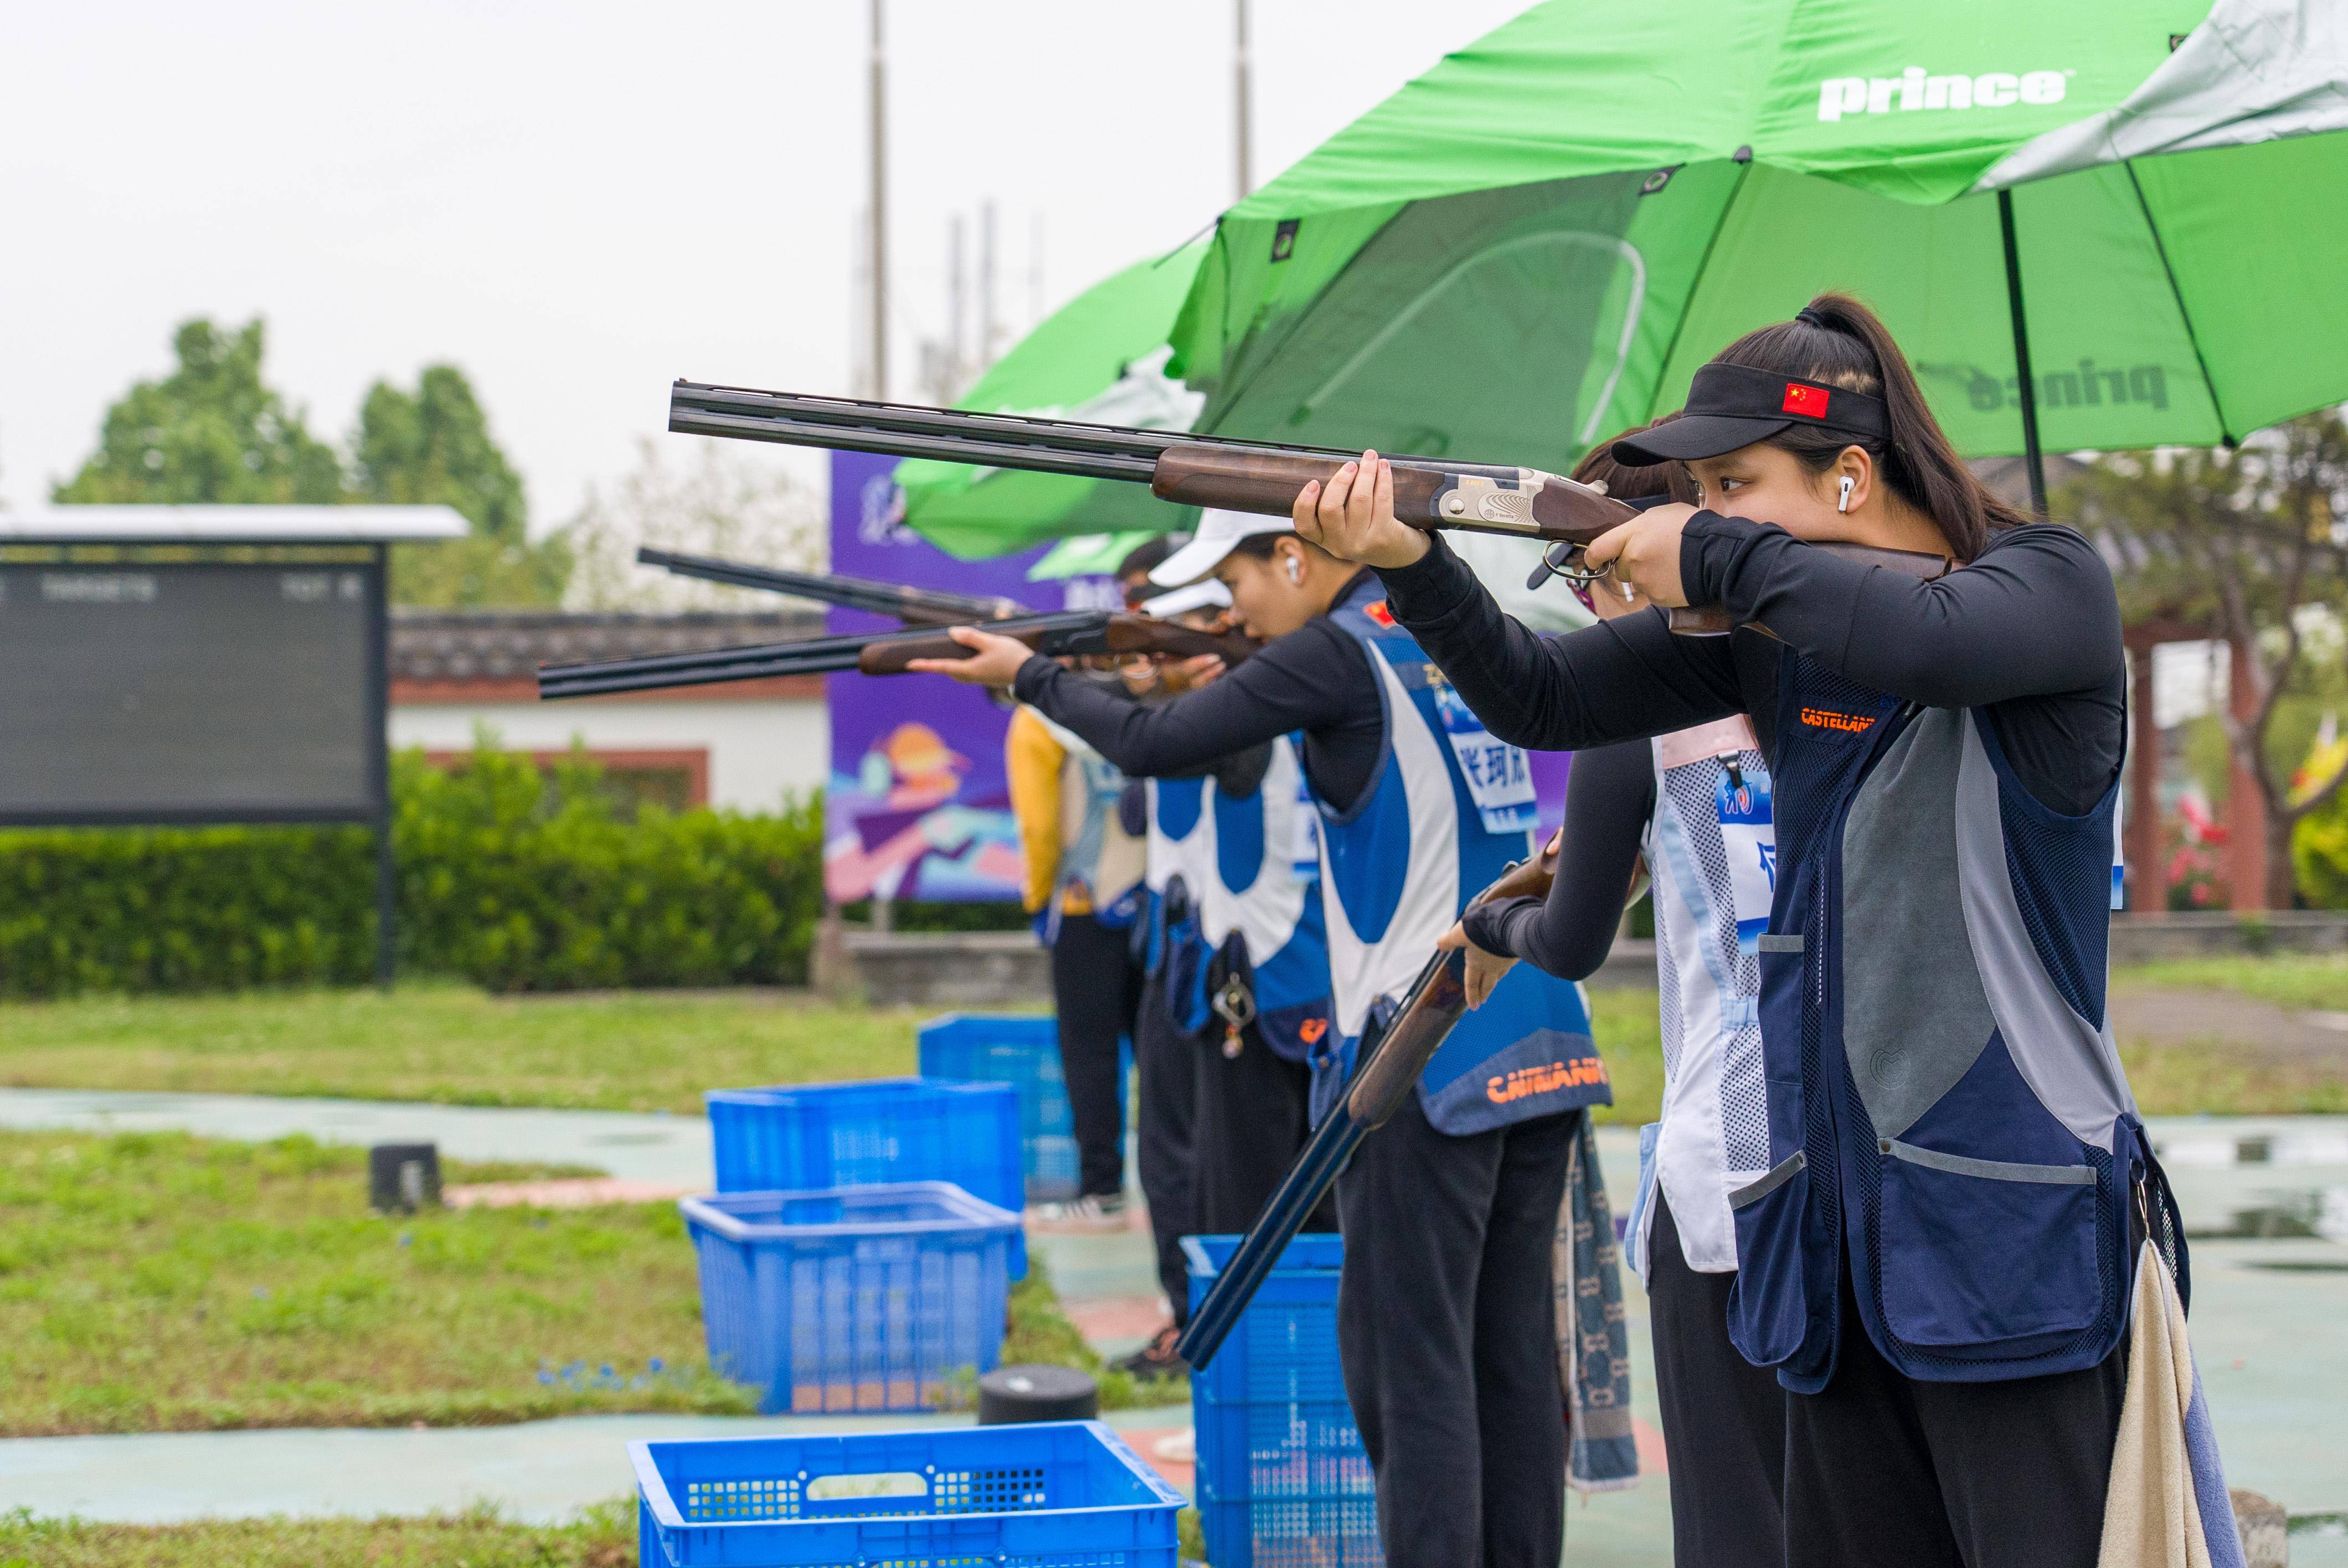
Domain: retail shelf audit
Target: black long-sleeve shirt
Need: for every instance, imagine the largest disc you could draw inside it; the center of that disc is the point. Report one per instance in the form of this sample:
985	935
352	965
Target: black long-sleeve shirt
2029	631
1316	679
1609	795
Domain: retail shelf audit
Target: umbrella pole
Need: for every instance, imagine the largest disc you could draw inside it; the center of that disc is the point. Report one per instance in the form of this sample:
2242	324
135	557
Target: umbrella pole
2033	461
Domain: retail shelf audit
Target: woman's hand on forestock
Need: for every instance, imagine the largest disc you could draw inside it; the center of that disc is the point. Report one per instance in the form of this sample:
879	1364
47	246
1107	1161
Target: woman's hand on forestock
1484	970
993	661
1645	554
1352	517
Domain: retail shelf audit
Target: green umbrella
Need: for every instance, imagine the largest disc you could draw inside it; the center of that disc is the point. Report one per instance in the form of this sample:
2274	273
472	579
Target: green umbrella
1087	555
1099	358
1538	242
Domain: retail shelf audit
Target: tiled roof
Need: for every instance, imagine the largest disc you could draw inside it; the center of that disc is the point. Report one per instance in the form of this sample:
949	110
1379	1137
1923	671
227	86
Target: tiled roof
503	644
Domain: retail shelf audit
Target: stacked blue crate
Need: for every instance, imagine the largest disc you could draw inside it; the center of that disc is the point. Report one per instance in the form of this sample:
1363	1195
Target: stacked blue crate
855	1299
1282	1479
1022	1051
1056	1494
795	1137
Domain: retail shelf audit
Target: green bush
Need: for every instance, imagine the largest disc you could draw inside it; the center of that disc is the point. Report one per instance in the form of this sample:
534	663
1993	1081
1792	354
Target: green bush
506	877
2320	854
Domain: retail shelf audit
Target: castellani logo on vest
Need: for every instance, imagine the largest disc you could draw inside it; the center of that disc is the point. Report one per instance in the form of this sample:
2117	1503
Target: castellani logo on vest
1918	88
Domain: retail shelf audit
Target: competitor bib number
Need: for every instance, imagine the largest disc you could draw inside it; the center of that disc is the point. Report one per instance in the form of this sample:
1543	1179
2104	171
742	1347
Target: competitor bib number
1743	800
1499	780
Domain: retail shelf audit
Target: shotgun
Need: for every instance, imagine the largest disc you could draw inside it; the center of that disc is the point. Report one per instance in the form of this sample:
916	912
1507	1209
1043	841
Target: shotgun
923	606
1388	1070
1433	493
1067	633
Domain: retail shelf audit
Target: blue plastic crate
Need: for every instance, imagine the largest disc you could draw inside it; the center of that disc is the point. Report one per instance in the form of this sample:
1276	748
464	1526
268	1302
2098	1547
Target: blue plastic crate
1024	1052
1283	1478
857	1298
801	1137
1054	1494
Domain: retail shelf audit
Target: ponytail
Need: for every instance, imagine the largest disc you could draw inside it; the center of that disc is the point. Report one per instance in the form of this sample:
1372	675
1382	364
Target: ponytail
1836	341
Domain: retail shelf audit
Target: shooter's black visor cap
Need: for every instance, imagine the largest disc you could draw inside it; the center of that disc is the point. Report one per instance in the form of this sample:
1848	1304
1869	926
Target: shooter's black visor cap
1733	406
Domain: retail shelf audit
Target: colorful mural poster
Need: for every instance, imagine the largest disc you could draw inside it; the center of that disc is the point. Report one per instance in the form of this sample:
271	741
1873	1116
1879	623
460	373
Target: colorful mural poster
918	806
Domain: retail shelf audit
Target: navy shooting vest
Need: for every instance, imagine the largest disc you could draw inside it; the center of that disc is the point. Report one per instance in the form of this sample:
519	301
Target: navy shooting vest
1948	1118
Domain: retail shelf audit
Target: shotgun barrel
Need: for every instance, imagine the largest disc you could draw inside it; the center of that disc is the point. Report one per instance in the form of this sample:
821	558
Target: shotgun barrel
924	606
1432	492
1389	1070
1075	633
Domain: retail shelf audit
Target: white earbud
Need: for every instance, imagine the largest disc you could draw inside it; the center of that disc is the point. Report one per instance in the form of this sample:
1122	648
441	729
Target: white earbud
1296	570
1844	504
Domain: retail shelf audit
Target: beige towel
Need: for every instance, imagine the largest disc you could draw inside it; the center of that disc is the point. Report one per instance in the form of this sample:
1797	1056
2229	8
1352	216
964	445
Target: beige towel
2151	1518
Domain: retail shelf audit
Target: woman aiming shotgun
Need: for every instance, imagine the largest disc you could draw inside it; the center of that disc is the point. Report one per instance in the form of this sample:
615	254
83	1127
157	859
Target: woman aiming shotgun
1938	1259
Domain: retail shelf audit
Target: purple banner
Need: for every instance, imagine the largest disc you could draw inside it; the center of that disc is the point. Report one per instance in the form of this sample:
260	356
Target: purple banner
918	806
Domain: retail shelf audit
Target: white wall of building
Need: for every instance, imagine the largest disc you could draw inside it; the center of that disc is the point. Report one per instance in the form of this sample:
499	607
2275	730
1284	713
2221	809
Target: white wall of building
759	751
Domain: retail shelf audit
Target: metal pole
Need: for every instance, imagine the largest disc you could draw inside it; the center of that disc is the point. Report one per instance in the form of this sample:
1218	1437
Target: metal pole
1239	101
387	887
2032	460
880	214
987	331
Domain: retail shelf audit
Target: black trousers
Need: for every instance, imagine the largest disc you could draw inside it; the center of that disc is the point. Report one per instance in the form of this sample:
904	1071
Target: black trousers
1884	1469
1723	1417
1096	986
1253	1118
1166	1061
1446	1331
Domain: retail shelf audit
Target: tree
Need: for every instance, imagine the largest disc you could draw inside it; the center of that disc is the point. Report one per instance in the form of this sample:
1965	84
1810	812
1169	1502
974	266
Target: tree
433	447
210	431
2249	543
726	502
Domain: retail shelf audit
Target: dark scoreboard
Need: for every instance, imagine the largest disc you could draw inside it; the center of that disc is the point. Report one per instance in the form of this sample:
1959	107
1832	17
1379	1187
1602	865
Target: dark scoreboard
191	691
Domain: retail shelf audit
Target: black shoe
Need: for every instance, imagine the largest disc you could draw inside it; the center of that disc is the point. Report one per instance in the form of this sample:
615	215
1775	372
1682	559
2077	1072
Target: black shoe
1157	1358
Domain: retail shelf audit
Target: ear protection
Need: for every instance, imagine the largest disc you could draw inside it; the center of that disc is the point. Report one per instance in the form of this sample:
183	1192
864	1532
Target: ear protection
1296	570
1844	504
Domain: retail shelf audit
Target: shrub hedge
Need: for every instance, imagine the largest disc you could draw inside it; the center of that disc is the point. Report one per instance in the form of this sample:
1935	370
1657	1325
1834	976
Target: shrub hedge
512	878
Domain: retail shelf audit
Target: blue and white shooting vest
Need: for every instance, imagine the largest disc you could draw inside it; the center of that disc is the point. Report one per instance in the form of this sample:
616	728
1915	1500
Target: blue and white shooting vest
1260	913
1448	809
1231	901
1178	861
1712	858
1948	1118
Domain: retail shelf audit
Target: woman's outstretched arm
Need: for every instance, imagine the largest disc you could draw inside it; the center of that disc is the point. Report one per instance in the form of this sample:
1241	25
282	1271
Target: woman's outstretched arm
1619	680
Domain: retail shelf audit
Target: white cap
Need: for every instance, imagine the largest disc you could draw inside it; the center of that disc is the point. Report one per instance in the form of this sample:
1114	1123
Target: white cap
1217	531
1207	595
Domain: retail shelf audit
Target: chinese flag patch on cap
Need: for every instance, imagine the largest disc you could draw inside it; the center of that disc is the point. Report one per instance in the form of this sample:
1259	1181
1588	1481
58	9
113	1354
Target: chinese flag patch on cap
1810	402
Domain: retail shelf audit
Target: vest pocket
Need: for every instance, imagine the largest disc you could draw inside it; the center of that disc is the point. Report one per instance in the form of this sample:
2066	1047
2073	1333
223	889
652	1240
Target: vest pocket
1976	1252
1768	1304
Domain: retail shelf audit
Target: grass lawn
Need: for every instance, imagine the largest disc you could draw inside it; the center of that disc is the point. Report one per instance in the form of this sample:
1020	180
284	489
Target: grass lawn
647	1051
2295	980
604	1538
158	1282
162	1282
659	1051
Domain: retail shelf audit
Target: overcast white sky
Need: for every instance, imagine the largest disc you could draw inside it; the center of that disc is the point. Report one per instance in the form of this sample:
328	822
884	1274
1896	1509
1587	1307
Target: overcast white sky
579	202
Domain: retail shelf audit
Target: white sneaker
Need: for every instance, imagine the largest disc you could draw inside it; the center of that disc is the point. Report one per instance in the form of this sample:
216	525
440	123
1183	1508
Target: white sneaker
1094	1212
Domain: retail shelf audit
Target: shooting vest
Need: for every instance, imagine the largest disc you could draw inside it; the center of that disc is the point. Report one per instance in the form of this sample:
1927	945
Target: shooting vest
1096	852
1947	1114
1260	913
1178	861
1448	809
1712	854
